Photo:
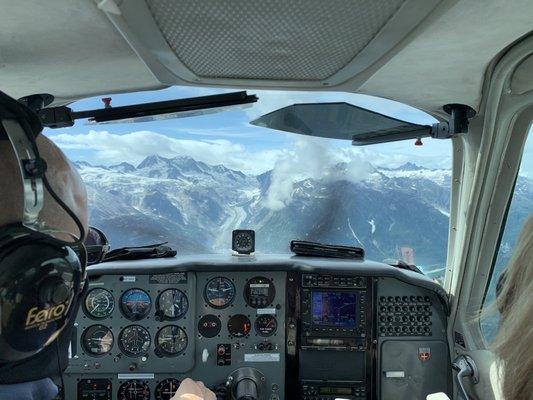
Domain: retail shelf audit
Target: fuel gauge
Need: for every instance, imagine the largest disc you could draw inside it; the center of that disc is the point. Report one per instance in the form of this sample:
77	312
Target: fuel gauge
266	325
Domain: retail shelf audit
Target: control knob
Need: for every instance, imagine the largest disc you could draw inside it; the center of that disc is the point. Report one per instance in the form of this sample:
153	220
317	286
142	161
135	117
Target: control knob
247	384
246	389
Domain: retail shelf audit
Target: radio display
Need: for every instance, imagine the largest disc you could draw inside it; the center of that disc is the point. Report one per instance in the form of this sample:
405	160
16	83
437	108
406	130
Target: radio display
337	309
335	390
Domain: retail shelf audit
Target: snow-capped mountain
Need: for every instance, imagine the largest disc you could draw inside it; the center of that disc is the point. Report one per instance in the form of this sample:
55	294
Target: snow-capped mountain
195	206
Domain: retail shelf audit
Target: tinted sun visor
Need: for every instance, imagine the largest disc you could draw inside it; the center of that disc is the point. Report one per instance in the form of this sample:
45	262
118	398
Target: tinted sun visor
341	121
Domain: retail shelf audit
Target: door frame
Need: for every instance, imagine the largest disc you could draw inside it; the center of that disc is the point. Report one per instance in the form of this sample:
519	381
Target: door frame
485	165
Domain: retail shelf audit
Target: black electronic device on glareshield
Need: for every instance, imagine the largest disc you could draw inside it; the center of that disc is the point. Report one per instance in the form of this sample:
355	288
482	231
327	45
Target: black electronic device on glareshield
41	270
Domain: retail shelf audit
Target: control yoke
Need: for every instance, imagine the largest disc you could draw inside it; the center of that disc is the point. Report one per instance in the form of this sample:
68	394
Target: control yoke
246	384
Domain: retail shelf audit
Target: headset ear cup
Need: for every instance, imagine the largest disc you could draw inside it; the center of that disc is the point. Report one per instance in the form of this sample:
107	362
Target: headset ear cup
39	283
45	363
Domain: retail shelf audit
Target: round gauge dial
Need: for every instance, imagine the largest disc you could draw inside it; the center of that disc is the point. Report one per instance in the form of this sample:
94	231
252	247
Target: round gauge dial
134	340
266	325
171	340
172	304
134	390
219	292
239	325
166	389
244	241
209	326
135	304
259	292
97	340
99	303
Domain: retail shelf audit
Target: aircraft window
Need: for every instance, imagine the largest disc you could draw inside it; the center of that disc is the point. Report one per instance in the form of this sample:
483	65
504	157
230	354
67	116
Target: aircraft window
520	208
191	181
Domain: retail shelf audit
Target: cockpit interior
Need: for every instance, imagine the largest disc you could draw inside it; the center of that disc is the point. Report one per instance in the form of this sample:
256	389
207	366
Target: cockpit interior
333	315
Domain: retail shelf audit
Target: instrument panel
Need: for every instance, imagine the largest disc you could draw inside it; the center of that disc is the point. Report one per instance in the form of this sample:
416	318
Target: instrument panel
297	334
141	334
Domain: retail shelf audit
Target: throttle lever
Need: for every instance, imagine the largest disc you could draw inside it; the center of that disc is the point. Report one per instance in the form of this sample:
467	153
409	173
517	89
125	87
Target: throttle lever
465	366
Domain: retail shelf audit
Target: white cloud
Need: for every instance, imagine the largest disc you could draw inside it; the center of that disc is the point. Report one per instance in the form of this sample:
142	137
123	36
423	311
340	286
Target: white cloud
312	158
317	158
109	148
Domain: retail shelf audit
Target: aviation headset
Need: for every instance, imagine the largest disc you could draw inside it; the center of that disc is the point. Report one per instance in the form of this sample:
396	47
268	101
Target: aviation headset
41	276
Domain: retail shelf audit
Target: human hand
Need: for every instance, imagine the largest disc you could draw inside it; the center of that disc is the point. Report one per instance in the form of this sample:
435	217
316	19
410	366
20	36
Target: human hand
192	390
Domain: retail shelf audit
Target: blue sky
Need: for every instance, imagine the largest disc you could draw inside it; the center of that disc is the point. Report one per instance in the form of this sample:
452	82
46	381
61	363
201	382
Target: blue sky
228	138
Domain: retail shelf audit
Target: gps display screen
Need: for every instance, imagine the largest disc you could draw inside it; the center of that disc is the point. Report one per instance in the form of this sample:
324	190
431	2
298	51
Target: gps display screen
337	309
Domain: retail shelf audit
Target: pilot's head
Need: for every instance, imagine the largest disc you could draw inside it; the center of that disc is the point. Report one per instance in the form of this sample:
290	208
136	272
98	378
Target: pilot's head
68	186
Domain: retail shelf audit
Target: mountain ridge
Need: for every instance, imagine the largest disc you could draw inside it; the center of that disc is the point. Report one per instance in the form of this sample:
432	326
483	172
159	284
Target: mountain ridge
195	206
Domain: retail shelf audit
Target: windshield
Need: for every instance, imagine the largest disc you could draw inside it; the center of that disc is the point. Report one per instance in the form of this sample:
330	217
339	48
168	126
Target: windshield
191	181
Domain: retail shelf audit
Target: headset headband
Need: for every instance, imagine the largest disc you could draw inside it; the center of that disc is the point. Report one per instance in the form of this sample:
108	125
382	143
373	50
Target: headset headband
31	172
21	126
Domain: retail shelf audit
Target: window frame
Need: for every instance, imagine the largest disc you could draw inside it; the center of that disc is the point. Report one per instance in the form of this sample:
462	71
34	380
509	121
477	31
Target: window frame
486	161
499	242
528	136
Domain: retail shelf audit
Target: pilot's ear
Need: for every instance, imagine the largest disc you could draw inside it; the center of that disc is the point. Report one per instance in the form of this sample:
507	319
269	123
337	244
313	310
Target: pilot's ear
437	396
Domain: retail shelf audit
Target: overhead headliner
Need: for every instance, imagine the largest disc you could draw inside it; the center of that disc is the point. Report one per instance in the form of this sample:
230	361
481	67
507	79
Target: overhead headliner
71	49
